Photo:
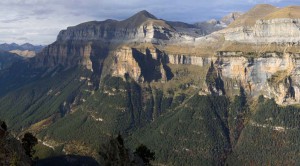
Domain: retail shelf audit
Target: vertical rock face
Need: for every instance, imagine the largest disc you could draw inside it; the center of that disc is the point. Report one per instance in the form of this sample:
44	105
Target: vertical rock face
125	63
266	24
141	27
273	76
64	54
113	31
143	65
86	52
279	30
189	60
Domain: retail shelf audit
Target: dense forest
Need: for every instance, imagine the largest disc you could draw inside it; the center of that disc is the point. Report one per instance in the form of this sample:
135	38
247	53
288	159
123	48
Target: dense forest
179	128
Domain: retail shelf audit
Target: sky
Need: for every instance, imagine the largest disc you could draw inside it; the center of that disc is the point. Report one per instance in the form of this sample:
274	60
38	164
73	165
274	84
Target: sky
39	21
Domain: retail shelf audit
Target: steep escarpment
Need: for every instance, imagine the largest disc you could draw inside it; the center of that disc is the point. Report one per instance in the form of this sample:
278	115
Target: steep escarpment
273	76
141	65
64	54
266	24
143	78
89	44
142	27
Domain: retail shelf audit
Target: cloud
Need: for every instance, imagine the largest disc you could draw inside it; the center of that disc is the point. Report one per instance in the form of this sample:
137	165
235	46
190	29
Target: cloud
14	19
39	21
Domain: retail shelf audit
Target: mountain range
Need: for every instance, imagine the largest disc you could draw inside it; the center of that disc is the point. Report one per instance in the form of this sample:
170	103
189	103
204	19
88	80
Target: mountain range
26	50
22	47
217	93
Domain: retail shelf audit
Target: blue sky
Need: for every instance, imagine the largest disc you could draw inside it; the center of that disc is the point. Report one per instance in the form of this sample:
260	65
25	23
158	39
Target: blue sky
39	21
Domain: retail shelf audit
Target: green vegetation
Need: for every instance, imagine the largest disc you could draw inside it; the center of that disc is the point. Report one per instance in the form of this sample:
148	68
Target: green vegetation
114	152
192	134
145	154
237	114
43	152
40	100
181	127
3	125
270	137
11	151
28	142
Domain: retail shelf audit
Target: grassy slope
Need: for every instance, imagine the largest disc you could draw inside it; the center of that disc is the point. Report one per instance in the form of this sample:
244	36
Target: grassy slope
256	13
287	12
38	100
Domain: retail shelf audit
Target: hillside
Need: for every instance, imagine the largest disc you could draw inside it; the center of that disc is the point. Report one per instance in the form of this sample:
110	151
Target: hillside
292	12
11	151
7	59
256	13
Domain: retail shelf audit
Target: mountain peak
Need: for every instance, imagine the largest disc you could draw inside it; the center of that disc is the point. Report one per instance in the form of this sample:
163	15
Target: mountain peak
138	19
231	17
144	14
259	6
257	12
292	12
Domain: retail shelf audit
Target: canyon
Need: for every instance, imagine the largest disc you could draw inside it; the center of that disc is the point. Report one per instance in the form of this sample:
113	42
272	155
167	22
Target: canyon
143	75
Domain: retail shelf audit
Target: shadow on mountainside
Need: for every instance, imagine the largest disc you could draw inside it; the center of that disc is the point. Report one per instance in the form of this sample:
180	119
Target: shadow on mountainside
68	160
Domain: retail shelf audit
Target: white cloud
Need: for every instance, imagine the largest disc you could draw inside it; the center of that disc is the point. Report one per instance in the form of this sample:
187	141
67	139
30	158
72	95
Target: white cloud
39	21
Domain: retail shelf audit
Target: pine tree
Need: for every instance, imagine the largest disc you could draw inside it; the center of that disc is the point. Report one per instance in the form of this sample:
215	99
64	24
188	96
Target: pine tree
28	142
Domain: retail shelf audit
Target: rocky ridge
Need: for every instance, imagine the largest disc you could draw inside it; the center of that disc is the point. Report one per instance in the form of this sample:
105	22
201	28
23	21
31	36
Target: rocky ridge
251	51
265	24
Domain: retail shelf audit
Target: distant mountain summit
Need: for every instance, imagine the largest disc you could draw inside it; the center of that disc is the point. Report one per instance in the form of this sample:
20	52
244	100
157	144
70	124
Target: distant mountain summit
256	13
139	27
137	19
22	47
231	17
143	14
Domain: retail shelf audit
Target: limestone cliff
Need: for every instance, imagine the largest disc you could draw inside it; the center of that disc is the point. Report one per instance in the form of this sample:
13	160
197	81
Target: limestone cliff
140	64
266	24
124	63
259	51
274	77
281	30
141	27
188	60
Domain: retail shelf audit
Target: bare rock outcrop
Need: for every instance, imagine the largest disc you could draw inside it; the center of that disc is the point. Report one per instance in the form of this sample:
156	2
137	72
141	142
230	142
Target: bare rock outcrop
125	63
266	24
24	53
274	77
